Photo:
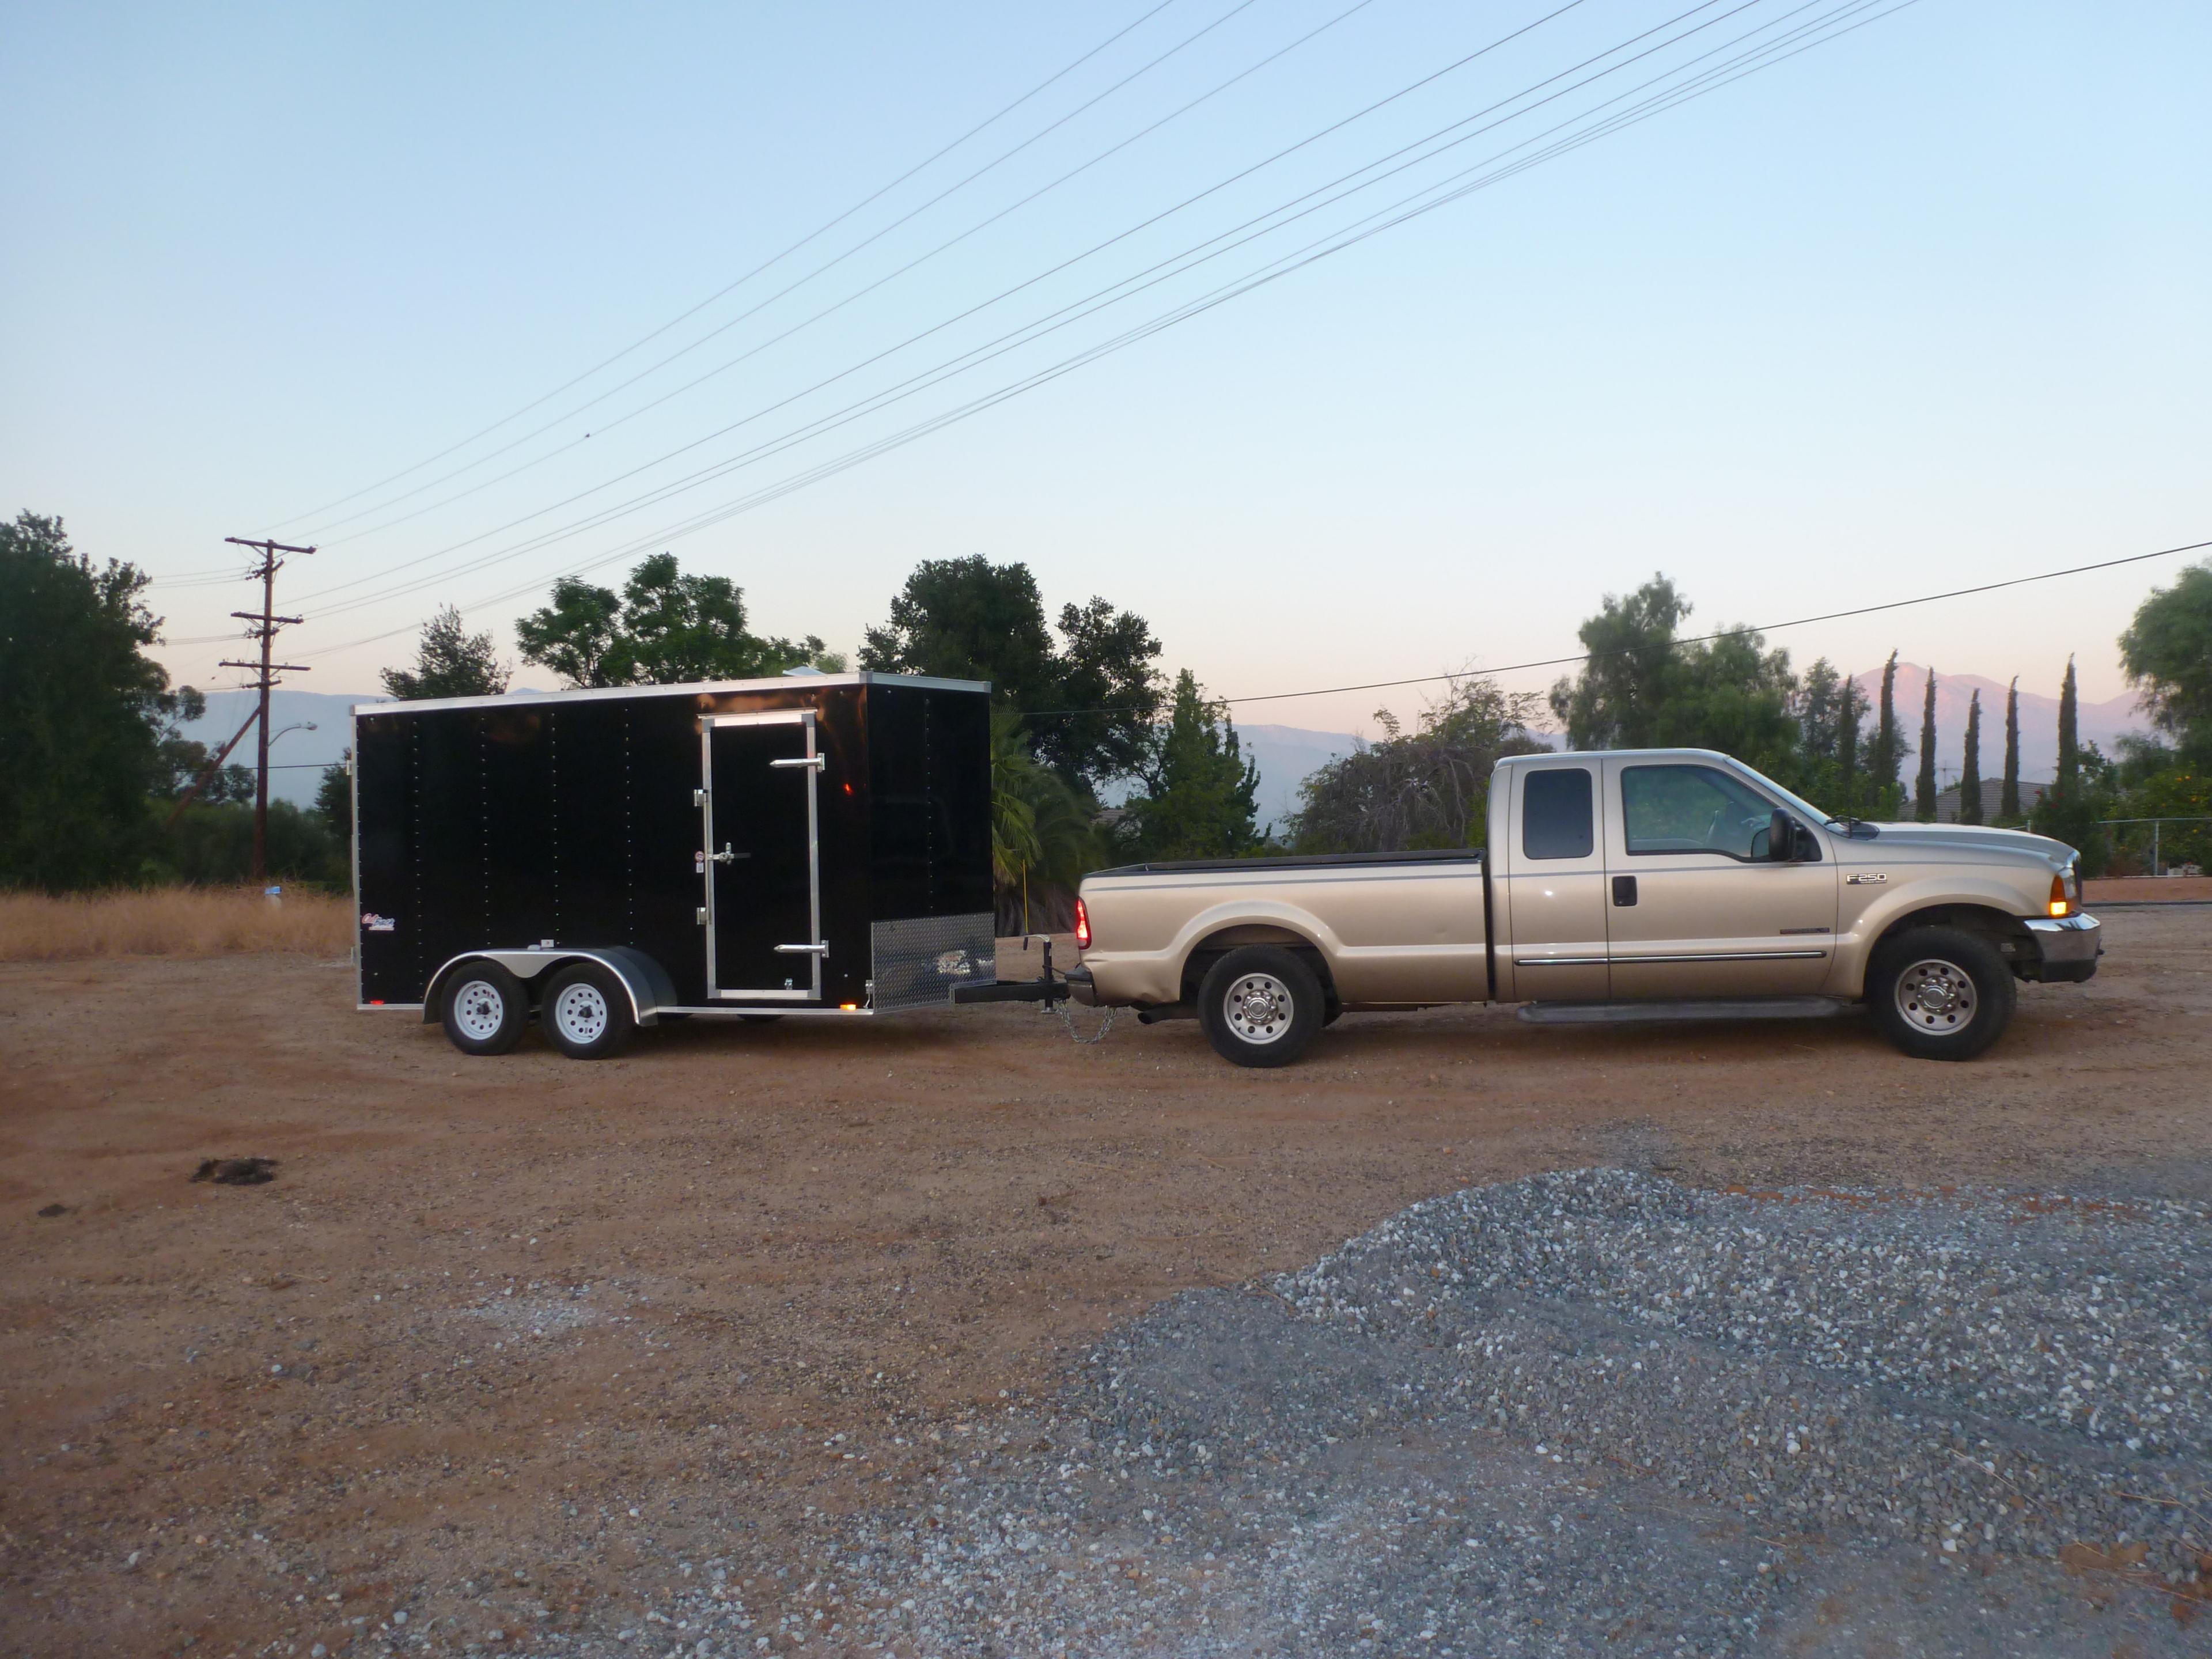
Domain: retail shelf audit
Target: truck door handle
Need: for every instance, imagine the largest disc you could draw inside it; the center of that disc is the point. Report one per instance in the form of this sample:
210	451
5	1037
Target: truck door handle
1624	892
726	856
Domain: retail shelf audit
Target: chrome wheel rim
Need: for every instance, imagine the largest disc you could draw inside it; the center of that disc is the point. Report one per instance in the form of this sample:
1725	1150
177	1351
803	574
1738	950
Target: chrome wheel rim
1257	1008
1936	997
580	1014
479	1010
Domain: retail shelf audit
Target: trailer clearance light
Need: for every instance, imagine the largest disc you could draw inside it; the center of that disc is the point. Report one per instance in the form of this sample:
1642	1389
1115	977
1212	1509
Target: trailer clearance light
1082	926
2060	904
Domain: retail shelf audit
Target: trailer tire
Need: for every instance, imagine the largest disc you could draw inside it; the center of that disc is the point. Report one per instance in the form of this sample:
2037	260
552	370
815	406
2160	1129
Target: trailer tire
585	1012
484	1008
1941	993
1260	1005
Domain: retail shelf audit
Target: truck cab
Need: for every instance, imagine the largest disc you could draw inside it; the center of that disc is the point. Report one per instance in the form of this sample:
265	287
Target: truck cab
1622	884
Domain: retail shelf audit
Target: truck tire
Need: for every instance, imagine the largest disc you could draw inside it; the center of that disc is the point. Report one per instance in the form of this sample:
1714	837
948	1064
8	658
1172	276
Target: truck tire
1941	993
1260	1005
585	1012
484	1008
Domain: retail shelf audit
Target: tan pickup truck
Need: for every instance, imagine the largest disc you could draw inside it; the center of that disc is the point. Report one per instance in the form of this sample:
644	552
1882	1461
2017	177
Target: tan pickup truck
1621	885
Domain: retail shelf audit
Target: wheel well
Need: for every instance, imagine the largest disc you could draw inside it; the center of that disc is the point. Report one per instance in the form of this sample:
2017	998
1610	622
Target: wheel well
2007	934
1219	943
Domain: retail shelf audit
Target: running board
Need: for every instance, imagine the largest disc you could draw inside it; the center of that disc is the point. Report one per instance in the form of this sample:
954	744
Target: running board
1625	1013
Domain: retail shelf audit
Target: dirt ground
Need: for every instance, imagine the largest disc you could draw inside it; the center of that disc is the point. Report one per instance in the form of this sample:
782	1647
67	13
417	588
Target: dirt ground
505	1342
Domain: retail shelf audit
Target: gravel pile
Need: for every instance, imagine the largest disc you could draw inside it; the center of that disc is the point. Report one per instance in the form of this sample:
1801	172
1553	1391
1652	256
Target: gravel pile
1587	1412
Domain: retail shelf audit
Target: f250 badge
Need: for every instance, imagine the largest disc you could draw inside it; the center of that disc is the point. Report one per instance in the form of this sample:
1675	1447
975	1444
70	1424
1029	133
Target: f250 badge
1866	878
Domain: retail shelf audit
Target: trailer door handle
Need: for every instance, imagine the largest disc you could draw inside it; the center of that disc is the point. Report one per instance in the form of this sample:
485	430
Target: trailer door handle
816	763
726	856
802	950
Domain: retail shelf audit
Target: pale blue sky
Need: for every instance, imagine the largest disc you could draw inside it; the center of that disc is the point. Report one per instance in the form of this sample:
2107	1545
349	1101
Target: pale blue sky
1925	306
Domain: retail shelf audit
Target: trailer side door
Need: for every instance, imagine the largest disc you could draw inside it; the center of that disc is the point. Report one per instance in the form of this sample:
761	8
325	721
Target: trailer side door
761	862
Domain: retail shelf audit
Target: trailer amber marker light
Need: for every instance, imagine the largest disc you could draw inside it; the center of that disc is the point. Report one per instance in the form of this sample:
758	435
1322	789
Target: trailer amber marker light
1082	926
2060	904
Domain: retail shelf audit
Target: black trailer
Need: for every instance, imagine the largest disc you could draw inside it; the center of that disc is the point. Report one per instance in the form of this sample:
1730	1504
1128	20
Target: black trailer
814	844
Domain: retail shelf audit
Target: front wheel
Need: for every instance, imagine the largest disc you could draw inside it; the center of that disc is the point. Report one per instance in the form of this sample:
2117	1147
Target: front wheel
1941	993
1260	1005
484	1008
585	1012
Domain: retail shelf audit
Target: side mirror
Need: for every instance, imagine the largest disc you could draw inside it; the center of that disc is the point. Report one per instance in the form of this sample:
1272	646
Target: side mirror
1781	837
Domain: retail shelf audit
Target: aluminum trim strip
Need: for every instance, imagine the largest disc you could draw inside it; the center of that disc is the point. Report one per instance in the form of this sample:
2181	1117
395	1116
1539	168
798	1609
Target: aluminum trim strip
695	688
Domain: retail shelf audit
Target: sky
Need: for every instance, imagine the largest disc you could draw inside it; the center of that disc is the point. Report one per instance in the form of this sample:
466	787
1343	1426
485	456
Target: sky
1921	307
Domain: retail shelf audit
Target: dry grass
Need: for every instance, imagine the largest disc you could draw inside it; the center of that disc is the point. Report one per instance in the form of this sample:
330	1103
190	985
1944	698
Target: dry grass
170	921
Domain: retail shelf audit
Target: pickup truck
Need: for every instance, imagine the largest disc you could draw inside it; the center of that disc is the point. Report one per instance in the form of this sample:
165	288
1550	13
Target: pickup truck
1630	885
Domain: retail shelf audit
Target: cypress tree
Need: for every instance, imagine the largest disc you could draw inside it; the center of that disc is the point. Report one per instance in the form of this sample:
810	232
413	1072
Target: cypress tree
1885	756
2008	800
1923	783
1850	704
1970	773
2070	736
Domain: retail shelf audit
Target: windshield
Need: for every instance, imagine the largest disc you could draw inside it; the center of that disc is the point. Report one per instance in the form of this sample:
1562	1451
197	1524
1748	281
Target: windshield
1796	802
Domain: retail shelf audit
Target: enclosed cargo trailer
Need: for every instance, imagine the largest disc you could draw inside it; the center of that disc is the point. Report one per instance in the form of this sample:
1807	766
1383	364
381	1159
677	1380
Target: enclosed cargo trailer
813	844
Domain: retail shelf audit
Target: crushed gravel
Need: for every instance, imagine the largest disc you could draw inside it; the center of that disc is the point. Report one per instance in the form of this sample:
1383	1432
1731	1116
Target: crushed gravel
1592	1411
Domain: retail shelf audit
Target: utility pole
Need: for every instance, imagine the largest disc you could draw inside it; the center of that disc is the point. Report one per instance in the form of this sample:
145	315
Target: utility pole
265	623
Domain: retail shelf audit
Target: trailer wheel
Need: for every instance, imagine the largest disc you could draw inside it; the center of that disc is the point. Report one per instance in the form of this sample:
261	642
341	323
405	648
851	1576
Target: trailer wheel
484	1008
1260	1005
585	1012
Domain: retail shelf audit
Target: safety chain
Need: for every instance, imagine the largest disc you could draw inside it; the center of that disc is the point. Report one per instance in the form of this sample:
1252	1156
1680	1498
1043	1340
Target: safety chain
1077	1038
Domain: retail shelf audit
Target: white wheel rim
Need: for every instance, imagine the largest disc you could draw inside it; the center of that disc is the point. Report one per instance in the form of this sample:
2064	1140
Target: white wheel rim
479	1010
1258	1007
580	1014
1936	997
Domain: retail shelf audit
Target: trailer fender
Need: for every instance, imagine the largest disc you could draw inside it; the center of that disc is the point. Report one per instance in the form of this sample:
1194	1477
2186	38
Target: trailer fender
649	987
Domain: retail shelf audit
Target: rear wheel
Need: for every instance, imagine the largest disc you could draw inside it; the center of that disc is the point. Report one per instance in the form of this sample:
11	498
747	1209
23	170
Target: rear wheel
585	1012
484	1008
1260	1005
1941	993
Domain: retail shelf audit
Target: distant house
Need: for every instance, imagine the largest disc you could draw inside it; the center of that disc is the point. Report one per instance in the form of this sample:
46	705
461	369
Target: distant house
1946	803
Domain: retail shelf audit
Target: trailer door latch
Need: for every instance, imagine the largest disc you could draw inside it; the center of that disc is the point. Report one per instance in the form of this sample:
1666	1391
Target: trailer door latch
726	856
698	797
816	763
702	916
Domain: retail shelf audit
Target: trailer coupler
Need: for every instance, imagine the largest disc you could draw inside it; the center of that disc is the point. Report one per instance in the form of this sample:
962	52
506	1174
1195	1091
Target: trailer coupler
1048	990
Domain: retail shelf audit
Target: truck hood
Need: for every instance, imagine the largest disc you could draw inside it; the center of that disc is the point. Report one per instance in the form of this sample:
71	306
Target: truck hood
1970	840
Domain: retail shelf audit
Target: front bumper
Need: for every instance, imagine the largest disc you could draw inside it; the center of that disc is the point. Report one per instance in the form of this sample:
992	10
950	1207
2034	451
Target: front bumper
2068	947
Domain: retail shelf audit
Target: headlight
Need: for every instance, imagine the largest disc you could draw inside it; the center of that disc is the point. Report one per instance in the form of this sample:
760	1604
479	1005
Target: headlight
2074	882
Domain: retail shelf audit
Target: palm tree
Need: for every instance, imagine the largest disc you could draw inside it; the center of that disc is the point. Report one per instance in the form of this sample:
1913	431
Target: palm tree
1043	836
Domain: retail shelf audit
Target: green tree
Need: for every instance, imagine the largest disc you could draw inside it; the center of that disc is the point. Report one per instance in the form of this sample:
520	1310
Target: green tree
1043	837
83	712
2083	793
1886	750
212	845
1970	771
2070	731
969	619
1923	783
664	629
1200	791
2168	653
1641	688
1426	788
1092	699
449	662
2008	792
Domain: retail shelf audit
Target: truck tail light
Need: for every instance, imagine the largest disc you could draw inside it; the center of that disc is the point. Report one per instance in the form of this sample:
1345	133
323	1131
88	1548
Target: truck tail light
2060	904
1083	926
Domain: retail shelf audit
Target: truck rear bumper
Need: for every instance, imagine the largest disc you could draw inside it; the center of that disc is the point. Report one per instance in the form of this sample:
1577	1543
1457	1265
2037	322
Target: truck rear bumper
2067	947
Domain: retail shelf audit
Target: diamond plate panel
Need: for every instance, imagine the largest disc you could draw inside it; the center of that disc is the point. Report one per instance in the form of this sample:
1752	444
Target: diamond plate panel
917	962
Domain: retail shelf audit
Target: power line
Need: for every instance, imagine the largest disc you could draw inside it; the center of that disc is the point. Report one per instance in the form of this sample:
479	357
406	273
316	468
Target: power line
1284	266
1671	645
663	492
852	298
875	236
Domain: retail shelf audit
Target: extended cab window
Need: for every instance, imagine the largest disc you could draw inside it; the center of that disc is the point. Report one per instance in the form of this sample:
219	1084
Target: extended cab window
1556	815
1693	809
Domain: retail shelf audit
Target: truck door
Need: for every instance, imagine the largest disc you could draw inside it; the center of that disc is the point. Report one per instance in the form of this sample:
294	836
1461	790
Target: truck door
1695	908
761	859
1555	883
